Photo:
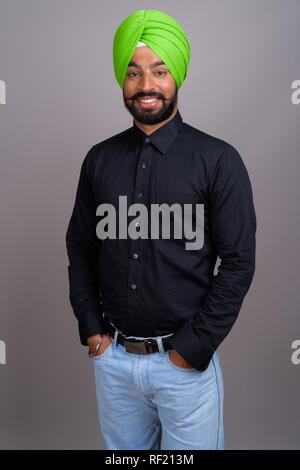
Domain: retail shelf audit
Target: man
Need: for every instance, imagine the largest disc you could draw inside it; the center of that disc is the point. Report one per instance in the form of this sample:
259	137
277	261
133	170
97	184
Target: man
151	311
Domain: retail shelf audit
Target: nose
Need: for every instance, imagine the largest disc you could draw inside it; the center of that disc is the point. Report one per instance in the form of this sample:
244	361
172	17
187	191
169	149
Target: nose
147	82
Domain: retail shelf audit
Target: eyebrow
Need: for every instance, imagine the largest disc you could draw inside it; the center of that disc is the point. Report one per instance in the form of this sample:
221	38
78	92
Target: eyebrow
155	64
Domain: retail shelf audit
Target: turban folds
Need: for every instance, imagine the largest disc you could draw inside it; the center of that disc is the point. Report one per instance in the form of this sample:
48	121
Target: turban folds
161	33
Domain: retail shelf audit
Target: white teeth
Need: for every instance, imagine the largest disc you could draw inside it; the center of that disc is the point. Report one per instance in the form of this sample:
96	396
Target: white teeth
149	101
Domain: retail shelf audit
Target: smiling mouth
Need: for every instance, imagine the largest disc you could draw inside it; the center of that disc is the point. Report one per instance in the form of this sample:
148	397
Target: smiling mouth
148	102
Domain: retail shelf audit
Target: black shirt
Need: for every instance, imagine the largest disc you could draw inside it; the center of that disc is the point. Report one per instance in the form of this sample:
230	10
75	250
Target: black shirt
152	287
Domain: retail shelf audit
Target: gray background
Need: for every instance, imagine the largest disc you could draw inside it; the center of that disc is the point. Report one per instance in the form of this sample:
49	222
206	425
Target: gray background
62	98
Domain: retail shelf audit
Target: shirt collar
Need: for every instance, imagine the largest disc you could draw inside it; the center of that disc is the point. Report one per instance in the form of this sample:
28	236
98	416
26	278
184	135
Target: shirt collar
162	138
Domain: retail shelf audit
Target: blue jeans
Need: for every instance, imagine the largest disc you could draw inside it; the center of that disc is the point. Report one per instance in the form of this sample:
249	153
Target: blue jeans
142	397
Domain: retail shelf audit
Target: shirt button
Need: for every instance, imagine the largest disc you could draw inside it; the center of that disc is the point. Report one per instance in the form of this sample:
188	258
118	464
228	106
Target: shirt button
137	224
133	286
144	165
135	255
147	140
140	195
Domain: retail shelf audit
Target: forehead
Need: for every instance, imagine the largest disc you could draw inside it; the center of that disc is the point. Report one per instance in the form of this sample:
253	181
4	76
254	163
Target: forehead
144	56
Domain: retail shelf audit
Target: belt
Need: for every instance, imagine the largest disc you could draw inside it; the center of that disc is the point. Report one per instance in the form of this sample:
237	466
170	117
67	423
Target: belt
146	346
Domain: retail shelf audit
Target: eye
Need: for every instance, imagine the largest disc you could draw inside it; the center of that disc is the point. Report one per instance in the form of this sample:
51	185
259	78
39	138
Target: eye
131	73
161	72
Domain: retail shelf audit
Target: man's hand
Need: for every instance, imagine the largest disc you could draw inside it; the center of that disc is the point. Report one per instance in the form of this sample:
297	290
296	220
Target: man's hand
178	360
92	342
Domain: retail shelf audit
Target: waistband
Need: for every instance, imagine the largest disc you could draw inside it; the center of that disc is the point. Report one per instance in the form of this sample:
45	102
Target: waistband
138	337
139	344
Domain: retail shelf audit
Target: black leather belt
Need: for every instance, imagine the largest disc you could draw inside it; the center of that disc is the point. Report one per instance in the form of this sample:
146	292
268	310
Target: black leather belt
146	346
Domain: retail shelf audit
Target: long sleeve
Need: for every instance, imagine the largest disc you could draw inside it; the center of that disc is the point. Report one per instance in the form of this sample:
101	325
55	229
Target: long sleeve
83	247
233	228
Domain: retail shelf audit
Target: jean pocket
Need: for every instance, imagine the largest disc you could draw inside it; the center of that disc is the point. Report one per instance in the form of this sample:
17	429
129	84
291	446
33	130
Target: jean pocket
99	357
184	369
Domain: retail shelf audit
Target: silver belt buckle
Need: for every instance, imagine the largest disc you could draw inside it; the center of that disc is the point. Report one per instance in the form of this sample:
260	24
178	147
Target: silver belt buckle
139	347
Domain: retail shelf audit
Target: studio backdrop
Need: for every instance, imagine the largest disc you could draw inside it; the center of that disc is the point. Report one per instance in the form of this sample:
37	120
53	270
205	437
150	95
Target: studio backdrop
59	97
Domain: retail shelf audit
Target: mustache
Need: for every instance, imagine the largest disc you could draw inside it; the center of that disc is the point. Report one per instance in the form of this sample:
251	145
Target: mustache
149	95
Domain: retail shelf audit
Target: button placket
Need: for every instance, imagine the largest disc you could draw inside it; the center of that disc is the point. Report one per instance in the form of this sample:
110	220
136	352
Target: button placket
135	245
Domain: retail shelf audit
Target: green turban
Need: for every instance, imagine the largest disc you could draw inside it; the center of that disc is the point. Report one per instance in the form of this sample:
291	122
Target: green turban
158	31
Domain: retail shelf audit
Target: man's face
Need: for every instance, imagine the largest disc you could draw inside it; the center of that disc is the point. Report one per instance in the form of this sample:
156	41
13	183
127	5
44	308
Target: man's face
147	77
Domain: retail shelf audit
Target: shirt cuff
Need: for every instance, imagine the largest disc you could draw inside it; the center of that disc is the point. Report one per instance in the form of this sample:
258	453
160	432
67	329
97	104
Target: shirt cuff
90	324
189	345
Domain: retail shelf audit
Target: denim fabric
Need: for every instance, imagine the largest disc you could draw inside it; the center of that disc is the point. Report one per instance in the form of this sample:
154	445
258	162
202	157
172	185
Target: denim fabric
142	397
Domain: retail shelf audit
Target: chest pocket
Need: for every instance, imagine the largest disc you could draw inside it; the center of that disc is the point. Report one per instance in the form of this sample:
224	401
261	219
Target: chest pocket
172	197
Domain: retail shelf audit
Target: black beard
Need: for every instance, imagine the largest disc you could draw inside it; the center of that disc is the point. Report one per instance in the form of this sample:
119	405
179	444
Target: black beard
149	116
